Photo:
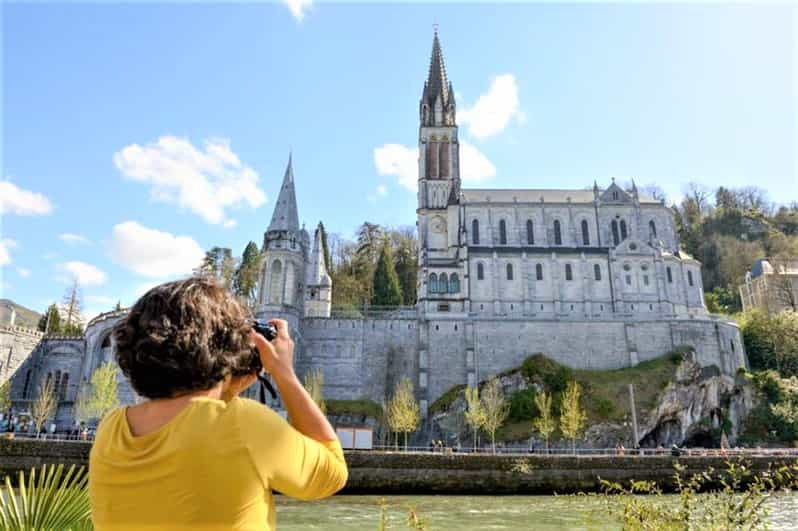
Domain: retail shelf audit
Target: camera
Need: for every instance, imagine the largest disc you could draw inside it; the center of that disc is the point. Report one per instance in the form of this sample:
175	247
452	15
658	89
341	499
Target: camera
269	332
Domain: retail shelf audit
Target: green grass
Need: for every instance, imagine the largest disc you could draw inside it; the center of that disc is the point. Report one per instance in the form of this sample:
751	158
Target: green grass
354	407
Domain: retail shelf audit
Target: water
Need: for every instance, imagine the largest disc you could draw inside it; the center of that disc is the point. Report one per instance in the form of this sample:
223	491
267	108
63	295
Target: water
478	512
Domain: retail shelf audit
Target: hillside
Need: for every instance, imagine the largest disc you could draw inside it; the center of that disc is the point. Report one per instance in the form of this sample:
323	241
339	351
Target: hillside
25	316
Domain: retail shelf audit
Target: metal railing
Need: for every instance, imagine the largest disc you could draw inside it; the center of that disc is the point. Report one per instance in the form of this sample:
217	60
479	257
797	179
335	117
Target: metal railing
591	452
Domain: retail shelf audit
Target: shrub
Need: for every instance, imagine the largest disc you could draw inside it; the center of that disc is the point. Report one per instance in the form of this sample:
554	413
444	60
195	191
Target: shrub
603	408
522	405
539	368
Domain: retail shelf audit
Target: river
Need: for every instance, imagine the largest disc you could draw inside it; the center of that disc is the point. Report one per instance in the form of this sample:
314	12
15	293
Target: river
478	512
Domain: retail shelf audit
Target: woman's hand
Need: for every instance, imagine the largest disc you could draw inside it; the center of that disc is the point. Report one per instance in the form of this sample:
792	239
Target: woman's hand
277	356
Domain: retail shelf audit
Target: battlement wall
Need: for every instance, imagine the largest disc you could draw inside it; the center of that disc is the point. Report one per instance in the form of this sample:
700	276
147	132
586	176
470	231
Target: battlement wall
16	344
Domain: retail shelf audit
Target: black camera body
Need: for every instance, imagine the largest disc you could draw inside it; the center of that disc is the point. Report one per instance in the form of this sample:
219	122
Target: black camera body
269	332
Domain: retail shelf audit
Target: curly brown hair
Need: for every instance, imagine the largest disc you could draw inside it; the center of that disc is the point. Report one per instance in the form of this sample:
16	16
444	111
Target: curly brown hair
183	336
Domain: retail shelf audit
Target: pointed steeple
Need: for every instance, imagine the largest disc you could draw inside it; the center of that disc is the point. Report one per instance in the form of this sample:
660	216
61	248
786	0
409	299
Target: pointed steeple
285	215
317	273
437	85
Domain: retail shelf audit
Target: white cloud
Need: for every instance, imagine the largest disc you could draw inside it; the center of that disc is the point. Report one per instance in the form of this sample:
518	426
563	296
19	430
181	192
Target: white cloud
154	253
399	161
380	191
5	255
15	200
22	272
68	237
402	162
298	7
85	274
493	109
474	165
206	182
229	223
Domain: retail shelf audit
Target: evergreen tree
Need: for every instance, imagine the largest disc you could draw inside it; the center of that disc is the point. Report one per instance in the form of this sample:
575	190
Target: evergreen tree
405	247
50	322
219	264
386	290
245	281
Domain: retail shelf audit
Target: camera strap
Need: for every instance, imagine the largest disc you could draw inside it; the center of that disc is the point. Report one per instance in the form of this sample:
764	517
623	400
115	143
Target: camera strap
266	385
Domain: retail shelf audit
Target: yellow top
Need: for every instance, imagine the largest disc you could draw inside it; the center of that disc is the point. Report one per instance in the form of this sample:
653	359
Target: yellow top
212	466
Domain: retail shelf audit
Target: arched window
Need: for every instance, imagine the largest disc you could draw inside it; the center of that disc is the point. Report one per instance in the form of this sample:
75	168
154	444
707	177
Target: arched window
557	233
480	271
106	342
615	238
585	233
623	230
597	271
443	283
530	232
652	230
276	283
509	271
614	195
433	283
502	232
57	384
690	278
454	283
670	275
475	232
569	274
64	384
539	272
27	384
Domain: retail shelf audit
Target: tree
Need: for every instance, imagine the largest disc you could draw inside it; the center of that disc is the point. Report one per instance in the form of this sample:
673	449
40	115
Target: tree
474	414
405	245
783	282
72	304
386	291
45	405
219	264
367	250
404	413
655	192
544	423
314	384
101	396
572	417
5	401
50	322
245	281
496	409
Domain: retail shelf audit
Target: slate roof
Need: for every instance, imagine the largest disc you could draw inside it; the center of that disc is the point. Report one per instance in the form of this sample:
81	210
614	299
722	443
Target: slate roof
533	195
286	216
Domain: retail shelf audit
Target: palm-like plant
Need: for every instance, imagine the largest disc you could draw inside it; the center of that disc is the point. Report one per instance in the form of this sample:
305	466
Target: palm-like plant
51	501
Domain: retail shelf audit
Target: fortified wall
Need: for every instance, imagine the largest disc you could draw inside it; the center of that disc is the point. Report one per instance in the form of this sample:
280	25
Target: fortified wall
16	344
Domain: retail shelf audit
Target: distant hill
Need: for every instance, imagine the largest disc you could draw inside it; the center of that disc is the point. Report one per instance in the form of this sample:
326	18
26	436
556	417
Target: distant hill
25	317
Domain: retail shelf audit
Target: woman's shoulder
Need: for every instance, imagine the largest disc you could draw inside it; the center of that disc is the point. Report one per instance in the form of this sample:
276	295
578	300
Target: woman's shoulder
250	413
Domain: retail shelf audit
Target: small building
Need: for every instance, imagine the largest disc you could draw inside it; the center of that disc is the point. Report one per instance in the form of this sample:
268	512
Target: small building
771	285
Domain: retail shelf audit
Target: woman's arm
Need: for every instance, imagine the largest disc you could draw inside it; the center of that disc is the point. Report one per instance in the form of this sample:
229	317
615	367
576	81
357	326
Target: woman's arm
277	357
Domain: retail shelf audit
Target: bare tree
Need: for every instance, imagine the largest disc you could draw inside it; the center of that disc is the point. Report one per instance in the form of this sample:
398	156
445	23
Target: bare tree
495	407
72	306
45	405
699	195
654	191
783	283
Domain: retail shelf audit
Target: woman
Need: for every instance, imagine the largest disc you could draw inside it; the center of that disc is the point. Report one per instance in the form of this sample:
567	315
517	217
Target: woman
195	455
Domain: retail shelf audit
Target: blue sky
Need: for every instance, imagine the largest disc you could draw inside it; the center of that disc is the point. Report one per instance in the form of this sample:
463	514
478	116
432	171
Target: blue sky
134	136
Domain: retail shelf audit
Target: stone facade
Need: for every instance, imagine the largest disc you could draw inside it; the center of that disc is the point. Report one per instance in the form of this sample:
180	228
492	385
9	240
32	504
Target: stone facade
771	286
592	278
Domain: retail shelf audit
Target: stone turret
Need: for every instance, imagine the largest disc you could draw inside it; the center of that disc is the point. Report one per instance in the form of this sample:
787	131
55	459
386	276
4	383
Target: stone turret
286	248
318	283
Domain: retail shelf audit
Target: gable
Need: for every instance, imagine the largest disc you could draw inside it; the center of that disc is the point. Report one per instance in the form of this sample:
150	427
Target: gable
615	194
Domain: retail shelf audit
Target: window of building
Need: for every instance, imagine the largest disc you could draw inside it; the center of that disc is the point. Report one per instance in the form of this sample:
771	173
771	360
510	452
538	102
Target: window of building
628	280
585	233
624	234
106	342
509	271
557	232
454	283
670	275
569	274
27	384
652	230
645	280
502	232
615	238
480	271
614	195
475	232
597	271
530	232
443	283
539	272
690	278
651	307
64	384
433	283
731	342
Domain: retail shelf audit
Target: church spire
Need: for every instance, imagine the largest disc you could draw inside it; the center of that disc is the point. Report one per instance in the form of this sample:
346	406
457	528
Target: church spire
437	84
317	273
285	215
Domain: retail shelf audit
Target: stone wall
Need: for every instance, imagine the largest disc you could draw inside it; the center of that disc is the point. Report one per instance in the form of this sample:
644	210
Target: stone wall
398	473
16	344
